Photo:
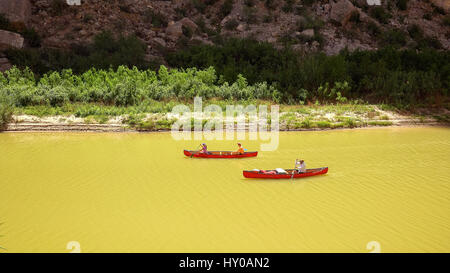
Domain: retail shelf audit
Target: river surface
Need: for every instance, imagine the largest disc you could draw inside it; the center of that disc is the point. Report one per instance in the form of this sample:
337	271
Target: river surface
386	188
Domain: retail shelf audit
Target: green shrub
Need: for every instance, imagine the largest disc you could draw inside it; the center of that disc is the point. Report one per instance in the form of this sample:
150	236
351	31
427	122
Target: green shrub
380	14
446	21
249	3
402	4
429	42
5	110
187	31
270	4
308	22
31	37
427	16
394	37
58	6
415	32
226	8
250	15
155	18
5	24
306	123
231	24
373	28
288	6
308	2
199	5
355	17
350	123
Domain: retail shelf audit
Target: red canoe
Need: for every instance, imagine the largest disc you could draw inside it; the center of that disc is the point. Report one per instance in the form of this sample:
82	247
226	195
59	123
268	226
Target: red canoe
309	172
219	154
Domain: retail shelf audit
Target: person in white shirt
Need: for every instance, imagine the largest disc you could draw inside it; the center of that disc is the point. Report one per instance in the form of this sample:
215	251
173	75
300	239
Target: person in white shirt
300	166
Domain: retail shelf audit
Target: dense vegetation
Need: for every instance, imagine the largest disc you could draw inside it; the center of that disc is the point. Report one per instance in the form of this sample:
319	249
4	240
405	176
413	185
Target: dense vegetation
124	87
93	73
389	75
106	51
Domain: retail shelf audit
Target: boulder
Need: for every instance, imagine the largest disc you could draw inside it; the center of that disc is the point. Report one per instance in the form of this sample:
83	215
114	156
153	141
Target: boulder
240	27
188	23
175	29
308	32
341	11
160	42
17	11
444	4
10	39
4	64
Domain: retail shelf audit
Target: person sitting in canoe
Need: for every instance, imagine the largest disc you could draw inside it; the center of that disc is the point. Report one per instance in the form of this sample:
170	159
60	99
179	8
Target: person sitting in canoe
300	166
240	150
203	149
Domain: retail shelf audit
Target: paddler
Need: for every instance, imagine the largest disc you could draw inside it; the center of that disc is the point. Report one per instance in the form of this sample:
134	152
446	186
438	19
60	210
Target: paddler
204	149
300	166
240	150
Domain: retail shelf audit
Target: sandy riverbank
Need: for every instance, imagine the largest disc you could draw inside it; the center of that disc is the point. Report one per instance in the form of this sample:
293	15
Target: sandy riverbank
289	121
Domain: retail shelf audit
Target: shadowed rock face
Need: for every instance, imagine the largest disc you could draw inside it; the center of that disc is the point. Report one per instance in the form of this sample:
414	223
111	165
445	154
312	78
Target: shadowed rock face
445	4
17	11
4	64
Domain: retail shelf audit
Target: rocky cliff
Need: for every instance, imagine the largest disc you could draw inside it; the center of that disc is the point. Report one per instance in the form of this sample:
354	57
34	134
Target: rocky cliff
306	25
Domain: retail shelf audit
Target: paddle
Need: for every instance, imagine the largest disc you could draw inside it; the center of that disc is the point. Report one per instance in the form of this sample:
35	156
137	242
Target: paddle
293	171
199	146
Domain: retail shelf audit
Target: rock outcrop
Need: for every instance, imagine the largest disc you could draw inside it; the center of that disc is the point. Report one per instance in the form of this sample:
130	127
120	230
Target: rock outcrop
10	39
17	11
322	25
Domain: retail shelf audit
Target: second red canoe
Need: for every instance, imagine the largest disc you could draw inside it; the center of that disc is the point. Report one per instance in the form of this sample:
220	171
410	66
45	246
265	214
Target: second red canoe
273	174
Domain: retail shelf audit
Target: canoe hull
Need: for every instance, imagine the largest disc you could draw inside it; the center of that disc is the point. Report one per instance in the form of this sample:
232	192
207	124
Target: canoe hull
309	172
219	154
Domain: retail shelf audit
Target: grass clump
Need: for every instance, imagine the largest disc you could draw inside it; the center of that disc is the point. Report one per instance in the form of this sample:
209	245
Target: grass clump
323	124
380	123
350	122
